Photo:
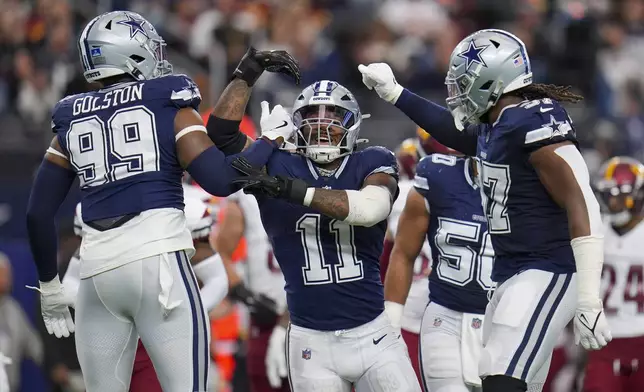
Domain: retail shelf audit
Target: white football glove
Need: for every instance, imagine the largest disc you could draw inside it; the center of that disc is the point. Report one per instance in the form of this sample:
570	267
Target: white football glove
55	303
276	357
276	123
591	327
4	380
380	77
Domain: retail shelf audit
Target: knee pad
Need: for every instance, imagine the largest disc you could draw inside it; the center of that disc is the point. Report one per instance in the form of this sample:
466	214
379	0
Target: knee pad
501	383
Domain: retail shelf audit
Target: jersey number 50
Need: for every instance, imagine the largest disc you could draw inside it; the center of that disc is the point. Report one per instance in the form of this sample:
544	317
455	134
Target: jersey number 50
124	146
316	269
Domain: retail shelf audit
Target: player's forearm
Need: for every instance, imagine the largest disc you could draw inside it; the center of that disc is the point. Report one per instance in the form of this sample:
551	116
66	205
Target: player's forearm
223	123
330	202
48	192
232	102
438	121
365	207
399	276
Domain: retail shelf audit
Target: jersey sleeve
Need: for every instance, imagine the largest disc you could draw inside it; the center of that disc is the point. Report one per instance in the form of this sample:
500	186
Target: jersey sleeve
543	123
183	92
423	178
61	117
379	160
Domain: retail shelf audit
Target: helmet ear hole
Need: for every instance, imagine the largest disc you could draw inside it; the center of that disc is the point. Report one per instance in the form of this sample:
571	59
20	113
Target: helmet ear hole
137	58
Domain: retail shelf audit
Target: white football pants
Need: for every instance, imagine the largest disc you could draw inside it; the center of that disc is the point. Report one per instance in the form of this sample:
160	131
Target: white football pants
523	321
372	358
156	298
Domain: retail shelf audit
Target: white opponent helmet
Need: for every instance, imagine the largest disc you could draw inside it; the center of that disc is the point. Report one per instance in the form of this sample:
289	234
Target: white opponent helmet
122	42
482	67
327	118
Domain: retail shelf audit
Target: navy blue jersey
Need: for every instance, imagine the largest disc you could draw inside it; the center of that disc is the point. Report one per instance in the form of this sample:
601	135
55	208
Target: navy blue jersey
121	142
331	268
529	230
462	254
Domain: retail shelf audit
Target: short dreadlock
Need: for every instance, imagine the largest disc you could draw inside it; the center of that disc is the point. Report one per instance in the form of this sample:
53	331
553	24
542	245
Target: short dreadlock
540	91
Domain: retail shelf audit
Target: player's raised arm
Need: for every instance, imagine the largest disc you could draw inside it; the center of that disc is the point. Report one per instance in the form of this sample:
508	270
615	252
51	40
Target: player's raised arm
223	123
412	227
205	162
50	187
434	118
563	172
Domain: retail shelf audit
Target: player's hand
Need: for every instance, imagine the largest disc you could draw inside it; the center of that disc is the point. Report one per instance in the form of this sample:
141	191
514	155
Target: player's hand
591	327
254	62
258	183
276	123
276	357
4	380
380	77
262	308
55	303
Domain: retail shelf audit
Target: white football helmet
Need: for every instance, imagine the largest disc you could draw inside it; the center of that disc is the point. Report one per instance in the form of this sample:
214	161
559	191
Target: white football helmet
122	42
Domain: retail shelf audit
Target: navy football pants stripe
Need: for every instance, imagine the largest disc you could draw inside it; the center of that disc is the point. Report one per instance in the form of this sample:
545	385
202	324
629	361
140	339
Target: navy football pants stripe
200	349
546	324
550	294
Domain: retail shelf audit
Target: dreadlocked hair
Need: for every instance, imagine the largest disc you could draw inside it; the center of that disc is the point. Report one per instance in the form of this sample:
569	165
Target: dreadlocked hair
540	91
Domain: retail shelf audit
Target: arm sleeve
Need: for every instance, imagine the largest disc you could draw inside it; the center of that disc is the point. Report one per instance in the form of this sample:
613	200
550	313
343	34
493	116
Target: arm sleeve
438	121
48	192
226	135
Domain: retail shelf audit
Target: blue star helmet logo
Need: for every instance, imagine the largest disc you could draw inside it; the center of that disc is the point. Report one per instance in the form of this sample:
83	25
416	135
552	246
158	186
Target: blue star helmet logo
135	25
473	54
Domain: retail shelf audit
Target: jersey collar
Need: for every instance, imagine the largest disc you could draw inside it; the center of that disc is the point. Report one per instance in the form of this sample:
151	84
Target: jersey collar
315	173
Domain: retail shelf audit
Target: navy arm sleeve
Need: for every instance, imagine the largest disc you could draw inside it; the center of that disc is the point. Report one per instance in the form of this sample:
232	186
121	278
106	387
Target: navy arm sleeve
48	192
438	121
214	173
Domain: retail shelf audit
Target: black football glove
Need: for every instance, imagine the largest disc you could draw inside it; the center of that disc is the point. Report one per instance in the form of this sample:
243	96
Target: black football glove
262	308
254	63
258	183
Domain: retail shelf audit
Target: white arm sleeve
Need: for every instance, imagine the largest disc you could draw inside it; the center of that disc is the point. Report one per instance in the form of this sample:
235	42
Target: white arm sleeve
367	206
212	274
588	250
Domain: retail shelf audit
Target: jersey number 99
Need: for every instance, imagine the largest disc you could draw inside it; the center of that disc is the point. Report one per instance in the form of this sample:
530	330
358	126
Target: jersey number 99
124	146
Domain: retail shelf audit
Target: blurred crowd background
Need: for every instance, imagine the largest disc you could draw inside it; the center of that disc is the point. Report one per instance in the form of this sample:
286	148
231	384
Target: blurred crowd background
597	46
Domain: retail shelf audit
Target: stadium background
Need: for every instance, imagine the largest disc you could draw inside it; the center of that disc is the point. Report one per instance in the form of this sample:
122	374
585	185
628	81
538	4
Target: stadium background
597	46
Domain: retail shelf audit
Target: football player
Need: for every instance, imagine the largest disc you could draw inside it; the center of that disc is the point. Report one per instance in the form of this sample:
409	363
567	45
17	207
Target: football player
408	154
207	267
264	280
324	209
444	207
542	215
129	143
620	366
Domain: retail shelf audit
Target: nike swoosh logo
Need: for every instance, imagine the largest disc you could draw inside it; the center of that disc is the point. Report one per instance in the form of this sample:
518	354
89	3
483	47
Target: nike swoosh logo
543	110
376	341
283	125
586	322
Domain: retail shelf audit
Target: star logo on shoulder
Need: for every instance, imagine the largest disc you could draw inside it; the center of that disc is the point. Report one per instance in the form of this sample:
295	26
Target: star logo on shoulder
473	54
559	128
135	25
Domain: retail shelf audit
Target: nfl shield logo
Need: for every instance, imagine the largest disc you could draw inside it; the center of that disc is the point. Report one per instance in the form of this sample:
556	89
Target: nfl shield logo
306	353
437	322
476	323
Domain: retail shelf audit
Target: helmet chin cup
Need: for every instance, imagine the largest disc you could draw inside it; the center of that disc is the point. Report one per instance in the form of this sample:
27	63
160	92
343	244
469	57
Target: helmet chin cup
323	155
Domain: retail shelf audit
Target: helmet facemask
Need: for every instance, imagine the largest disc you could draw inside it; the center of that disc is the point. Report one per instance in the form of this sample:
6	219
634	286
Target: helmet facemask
459	101
325	132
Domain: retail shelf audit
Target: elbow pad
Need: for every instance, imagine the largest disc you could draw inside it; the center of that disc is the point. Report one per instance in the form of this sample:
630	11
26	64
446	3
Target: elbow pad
368	206
225	135
212	274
